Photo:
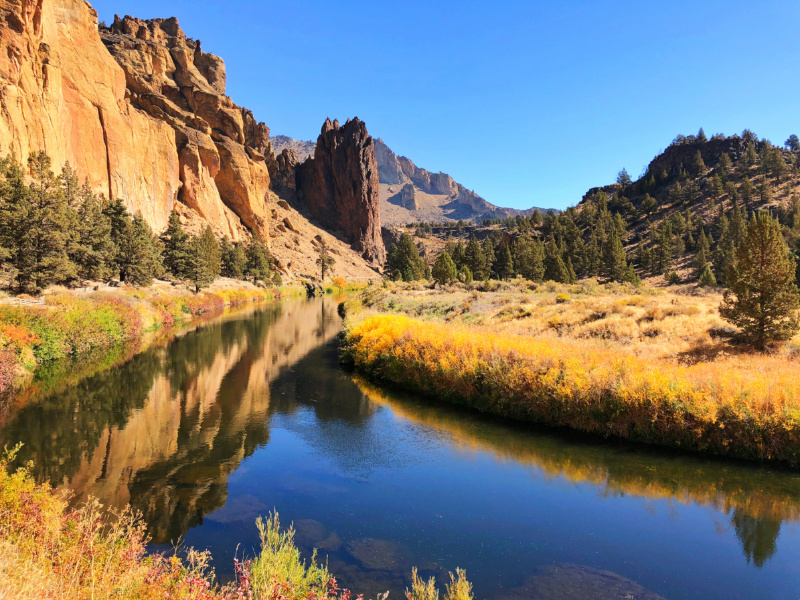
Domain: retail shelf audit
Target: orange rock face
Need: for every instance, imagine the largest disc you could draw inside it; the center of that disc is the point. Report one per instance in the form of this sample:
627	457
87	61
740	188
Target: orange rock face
140	112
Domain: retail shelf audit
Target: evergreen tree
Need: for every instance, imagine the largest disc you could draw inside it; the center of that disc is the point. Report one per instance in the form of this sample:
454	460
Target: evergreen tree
701	136
444	269
765	191
505	263
403	260
95	252
139	255
465	275
614	258
698	166
747	192
178	253
528	257
259	260
763	298
47	222
724	166
793	143
204	262
234	259
649	205
488	254
707	278
475	260
554	267
750	155
15	238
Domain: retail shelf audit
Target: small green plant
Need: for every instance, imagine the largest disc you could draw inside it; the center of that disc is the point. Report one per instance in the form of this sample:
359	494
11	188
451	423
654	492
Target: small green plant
279	572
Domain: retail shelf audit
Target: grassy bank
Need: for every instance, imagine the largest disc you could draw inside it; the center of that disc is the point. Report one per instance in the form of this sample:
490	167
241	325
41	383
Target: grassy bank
64	324
642	365
48	550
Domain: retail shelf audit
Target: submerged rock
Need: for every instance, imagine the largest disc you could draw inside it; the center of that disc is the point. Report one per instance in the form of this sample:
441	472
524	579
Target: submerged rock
578	582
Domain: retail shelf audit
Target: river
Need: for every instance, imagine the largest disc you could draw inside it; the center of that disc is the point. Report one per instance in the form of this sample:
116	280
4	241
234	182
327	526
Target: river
250	413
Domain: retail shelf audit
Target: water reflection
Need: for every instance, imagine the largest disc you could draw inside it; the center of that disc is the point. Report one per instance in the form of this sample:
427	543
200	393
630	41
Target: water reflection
165	430
757	499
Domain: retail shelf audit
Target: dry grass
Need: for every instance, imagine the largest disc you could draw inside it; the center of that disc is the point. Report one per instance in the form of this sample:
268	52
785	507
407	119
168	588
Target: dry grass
679	325
618	361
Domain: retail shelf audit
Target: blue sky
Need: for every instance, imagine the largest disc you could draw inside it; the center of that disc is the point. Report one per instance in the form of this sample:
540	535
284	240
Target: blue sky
528	103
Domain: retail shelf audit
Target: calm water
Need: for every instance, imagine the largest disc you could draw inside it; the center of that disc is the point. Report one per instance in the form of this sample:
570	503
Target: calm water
250	413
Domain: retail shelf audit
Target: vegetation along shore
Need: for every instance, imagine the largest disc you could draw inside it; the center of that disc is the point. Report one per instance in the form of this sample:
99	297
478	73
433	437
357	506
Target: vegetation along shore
645	364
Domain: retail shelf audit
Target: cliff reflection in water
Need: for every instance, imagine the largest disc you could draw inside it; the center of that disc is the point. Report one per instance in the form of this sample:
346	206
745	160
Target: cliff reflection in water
165	430
757	500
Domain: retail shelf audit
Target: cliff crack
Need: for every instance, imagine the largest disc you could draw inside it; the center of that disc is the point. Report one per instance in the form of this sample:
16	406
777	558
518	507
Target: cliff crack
105	143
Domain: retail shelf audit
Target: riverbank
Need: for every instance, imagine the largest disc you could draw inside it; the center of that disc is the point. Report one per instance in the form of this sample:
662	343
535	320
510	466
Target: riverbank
65	323
638	364
49	550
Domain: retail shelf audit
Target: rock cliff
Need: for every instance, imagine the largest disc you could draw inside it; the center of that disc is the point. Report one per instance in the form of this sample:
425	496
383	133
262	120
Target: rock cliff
339	186
61	91
221	148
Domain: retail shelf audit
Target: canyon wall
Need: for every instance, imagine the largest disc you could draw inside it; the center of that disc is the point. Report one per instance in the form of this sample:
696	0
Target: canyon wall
152	127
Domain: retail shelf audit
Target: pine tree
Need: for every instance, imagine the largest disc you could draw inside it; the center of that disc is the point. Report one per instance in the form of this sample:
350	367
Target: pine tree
765	191
747	192
505	263
177	251
475	260
763	298
614	258
259	260
528	257
750	155
701	136
649	205
15	238
47	221
204	262
95	251
554	267
403	260
488	254
725	165
444	269
234	259
698	166
707	278
139	256
465	275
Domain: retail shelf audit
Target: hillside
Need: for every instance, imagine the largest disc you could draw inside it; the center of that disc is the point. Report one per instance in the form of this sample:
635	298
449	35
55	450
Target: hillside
686	212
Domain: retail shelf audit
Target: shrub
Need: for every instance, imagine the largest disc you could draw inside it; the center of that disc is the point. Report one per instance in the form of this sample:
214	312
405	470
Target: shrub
563	299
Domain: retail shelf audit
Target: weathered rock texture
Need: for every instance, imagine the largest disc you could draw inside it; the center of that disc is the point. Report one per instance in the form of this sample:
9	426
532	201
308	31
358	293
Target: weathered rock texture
221	148
62	92
339	186
152	127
